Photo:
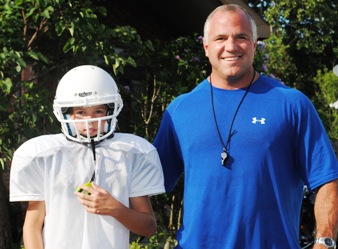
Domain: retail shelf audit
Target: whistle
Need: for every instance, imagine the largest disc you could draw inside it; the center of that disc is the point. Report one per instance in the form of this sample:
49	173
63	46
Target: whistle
80	190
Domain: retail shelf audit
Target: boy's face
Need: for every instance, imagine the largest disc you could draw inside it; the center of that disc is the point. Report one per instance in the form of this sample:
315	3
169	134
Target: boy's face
79	113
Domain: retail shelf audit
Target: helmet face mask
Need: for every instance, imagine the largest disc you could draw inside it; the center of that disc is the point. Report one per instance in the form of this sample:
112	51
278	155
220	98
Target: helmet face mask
87	86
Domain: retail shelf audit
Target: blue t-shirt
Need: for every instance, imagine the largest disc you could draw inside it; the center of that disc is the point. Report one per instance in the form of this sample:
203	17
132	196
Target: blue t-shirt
278	146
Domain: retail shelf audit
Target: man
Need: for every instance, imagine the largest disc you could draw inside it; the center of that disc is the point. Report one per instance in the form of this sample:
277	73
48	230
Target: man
247	145
88	187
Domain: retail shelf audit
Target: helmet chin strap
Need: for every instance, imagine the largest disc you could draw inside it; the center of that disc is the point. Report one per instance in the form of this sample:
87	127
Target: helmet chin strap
92	142
92	179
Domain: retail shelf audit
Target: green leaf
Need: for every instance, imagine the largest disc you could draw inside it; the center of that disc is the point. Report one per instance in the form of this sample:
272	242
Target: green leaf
6	85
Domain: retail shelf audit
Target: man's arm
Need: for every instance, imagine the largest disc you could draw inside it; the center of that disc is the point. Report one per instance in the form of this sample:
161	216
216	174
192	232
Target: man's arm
32	228
326	211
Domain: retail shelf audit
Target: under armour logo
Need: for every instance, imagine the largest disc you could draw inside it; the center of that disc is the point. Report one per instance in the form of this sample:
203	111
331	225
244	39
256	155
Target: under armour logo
255	120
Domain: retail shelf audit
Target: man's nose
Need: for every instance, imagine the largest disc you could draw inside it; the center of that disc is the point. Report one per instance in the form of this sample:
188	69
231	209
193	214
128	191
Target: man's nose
231	44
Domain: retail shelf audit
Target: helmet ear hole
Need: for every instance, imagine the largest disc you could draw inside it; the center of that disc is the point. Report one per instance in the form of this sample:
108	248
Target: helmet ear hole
70	126
107	126
111	105
64	110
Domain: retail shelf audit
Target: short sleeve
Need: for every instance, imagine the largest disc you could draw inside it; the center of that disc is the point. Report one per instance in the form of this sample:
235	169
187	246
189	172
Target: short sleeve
26	179
147	175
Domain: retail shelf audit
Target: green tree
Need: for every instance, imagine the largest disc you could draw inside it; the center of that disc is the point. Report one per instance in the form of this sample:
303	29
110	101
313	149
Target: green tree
328	93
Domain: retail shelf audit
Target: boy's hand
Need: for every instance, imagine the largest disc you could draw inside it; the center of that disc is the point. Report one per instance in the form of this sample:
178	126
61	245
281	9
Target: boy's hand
98	200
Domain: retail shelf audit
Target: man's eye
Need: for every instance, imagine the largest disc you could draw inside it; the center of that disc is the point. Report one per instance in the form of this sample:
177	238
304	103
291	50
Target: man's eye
242	37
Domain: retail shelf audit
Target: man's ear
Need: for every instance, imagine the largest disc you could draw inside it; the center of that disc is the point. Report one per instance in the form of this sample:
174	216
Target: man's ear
255	46
205	46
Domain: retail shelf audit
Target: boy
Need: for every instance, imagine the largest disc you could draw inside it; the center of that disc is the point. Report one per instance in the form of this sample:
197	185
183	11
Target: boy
87	187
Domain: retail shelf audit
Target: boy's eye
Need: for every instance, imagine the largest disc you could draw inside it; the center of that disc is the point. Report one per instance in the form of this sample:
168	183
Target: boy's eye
100	112
79	113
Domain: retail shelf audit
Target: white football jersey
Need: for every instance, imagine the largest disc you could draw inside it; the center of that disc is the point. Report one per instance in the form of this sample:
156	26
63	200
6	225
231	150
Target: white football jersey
49	168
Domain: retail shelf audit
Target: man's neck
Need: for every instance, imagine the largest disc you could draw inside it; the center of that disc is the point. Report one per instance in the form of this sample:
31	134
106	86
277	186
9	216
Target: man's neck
233	82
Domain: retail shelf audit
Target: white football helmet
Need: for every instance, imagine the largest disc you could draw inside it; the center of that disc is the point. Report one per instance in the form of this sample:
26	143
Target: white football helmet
85	86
